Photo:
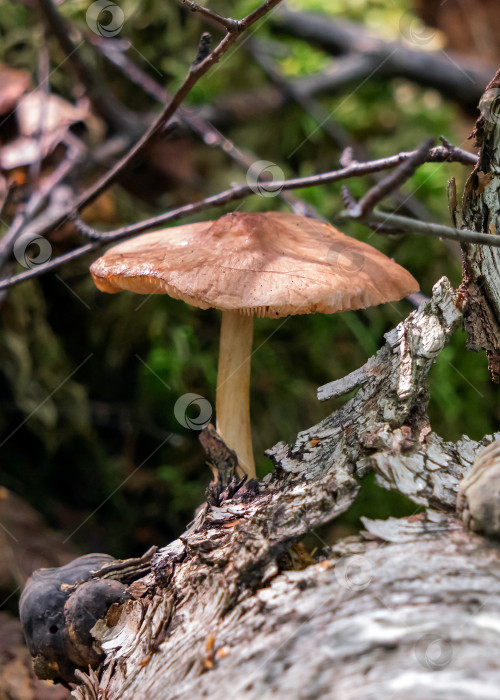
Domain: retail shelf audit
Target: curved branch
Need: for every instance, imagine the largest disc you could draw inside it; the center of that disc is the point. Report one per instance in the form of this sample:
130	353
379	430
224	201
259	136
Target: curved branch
439	154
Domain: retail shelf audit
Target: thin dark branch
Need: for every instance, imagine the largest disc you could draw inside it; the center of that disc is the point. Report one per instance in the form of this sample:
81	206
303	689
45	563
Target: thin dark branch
347	198
227	22
438	154
387	223
49	266
195	73
86	230
104	103
386	186
208	132
156	128
292	90
355	169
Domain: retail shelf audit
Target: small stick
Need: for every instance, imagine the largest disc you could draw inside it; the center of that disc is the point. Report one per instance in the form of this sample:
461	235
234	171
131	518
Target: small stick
221	459
438	154
394	225
402	173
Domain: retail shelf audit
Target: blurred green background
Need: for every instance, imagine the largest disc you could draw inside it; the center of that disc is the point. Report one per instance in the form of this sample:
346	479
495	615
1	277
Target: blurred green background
98	451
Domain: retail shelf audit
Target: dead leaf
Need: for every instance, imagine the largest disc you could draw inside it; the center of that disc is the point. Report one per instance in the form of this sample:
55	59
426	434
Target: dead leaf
41	113
13	84
43	122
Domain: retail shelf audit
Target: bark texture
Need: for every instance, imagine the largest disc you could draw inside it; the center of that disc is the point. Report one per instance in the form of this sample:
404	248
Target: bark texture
481	212
405	610
234	608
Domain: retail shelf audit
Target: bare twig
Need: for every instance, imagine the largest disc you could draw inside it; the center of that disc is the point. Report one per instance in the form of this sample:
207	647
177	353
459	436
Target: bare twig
347	198
193	76
355	169
437	154
104	103
293	91
393	224
403	172
86	230
208	132
229	24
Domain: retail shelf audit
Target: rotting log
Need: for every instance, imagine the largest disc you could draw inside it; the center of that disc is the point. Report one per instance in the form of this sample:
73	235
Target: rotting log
410	608
225	612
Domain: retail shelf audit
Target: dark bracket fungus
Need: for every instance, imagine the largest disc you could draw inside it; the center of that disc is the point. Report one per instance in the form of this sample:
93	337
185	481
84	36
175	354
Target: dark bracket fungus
60	606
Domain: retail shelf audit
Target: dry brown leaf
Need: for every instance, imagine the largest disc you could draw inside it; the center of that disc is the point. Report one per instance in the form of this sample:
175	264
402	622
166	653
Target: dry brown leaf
43	121
13	84
39	112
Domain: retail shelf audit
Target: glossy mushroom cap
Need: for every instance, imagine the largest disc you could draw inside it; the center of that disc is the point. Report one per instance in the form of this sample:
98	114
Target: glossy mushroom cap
270	264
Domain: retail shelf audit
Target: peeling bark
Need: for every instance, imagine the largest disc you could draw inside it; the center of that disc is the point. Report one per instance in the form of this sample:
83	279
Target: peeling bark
481	212
225	612
379	619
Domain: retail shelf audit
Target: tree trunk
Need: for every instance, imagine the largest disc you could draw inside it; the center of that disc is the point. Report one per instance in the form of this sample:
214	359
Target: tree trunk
481	212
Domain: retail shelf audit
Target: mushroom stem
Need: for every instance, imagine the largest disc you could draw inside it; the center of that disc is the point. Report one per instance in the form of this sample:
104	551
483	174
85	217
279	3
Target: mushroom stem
233	386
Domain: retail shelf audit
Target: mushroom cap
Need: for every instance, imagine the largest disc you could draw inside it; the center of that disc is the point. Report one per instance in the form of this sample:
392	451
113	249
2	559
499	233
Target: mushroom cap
271	264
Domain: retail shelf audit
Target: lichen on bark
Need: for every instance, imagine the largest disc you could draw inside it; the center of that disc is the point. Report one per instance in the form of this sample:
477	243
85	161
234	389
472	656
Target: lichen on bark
226	609
481	212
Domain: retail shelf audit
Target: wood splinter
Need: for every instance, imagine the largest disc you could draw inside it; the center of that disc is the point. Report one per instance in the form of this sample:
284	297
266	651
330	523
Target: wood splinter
220	458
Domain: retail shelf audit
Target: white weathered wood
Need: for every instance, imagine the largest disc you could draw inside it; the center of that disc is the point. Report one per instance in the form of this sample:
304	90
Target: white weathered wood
409	609
224	613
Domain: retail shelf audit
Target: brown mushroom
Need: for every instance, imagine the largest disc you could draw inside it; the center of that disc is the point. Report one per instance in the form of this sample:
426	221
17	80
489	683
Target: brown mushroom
272	264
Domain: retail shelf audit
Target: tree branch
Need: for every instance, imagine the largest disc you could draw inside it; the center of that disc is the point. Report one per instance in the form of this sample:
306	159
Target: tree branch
194	121
456	78
231	575
438	154
193	76
226	22
105	104
393	181
388	223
